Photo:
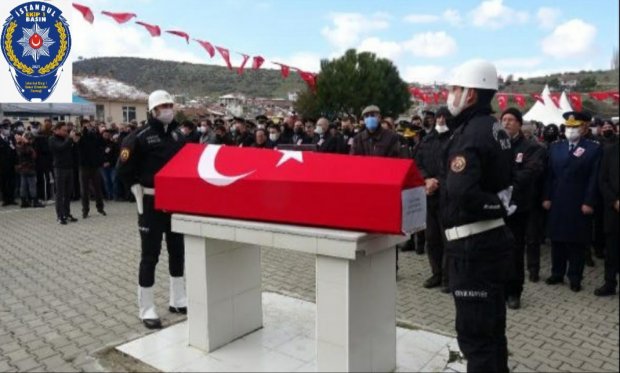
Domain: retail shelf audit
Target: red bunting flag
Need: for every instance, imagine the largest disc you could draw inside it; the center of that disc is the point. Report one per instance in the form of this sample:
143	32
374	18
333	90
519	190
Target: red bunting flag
207	46
309	78
436	97
225	55
575	101
154	30
415	91
520	100
284	70
502	101
86	12
181	34
600	96
245	60
538	98
120	17
257	62
555	98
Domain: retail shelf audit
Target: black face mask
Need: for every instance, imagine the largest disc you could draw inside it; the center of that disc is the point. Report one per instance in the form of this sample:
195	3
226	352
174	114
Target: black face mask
299	131
608	134
347	132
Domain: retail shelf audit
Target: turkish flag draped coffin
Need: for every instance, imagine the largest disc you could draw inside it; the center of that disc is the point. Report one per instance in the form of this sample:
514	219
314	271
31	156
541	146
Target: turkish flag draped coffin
368	194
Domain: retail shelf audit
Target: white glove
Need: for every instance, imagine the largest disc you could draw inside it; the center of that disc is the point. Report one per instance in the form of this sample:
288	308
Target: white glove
138	192
505	196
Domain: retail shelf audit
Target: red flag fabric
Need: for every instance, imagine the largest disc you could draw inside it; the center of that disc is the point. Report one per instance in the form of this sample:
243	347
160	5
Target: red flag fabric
600	96
502	101
444	95
225	173
415	91
436	97
207	46
284	70
86	12
615	96
225	55
245	60
120	17
154	30
520	100
555	98
257	62
309	78
181	34
538	97
575	101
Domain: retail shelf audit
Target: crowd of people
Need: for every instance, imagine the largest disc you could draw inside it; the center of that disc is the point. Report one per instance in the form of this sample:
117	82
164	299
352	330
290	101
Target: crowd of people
41	162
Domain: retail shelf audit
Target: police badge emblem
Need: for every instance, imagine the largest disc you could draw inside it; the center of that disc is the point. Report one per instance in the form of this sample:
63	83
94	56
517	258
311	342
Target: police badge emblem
36	42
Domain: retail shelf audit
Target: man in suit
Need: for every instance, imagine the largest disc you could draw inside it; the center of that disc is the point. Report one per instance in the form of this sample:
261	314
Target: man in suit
571	192
608	180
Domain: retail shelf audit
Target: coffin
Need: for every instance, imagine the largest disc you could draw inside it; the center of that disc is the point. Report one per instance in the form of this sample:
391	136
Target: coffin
367	194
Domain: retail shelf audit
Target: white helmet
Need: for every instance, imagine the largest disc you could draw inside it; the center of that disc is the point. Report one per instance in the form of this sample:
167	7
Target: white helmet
159	98
479	74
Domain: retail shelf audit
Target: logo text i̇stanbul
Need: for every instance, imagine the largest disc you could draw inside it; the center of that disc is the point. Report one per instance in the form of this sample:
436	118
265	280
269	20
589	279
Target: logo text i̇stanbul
36	42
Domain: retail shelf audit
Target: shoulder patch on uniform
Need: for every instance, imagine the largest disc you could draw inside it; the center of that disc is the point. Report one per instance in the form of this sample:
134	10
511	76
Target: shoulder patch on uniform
125	153
458	164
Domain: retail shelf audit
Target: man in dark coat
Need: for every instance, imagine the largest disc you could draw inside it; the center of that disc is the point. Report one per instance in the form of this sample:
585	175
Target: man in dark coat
429	162
527	166
609	181
571	192
8	160
91	148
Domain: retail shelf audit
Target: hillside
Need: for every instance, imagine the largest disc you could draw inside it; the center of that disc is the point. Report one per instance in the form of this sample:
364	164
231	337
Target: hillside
192	80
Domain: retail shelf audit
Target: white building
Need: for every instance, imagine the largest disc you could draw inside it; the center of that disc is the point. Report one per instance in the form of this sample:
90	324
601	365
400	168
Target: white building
115	102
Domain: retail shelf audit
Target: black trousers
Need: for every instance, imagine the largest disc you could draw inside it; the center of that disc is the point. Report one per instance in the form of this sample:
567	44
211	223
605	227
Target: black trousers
571	255
153	225
534	236
435	244
64	190
478	267
8	184
598	237
518	226
90	178
44	184
611	259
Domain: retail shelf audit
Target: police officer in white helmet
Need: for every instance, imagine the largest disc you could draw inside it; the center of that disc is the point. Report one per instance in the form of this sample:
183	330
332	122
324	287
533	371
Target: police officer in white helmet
474	203
143	154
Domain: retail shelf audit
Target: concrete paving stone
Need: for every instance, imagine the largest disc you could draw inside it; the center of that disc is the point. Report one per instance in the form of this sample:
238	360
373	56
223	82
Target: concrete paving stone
17	355
27	364
43	353
52	363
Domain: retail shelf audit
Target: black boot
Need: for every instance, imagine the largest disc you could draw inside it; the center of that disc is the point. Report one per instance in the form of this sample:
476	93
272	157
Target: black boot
605	291
25	203
37	204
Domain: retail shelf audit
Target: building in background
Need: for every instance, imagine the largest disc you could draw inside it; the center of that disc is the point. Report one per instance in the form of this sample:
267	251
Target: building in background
115	102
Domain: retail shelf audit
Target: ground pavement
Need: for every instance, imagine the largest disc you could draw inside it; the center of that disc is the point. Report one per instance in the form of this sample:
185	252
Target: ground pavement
67	293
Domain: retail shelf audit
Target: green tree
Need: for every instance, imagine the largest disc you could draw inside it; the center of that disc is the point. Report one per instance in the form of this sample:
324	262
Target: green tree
554	83
348	84
587	84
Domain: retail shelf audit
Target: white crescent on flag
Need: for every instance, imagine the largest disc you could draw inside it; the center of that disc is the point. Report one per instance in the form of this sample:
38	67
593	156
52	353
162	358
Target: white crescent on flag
208	172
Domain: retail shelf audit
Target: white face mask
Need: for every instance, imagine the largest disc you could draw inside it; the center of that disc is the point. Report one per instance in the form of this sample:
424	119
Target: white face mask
572	134
318	130
441	128
594	131
166	116
274	137
454	107
202	129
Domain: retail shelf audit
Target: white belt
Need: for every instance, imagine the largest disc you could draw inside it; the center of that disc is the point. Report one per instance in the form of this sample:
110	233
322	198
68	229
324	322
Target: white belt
468	230
148	191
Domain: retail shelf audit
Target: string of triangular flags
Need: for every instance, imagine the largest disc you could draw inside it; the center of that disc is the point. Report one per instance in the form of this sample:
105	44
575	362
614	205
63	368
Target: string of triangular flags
156	31
576	99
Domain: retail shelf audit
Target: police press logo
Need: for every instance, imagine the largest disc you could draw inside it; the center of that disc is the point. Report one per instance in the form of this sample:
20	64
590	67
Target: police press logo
36	43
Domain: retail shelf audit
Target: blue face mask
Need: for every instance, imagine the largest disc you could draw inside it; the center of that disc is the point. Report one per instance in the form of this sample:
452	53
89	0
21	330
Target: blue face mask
372	123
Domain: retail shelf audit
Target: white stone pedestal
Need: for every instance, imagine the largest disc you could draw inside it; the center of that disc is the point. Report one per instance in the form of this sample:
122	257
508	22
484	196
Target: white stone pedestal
355	278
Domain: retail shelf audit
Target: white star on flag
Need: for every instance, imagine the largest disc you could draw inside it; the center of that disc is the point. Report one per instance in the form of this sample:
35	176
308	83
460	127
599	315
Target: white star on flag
287	155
